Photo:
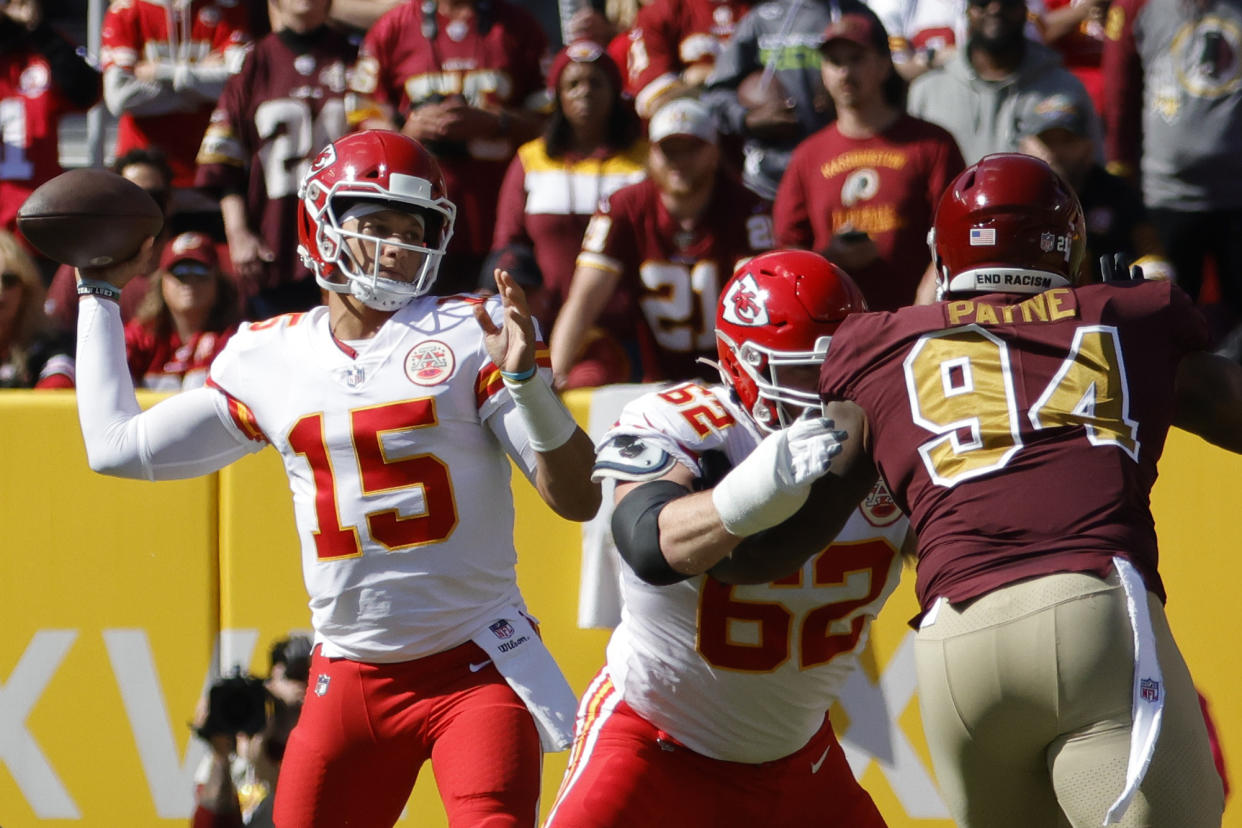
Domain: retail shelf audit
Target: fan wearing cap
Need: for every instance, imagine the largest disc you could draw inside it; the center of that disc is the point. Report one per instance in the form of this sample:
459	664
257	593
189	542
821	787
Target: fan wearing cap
862	190
1057	131
188	314
658	251
590	147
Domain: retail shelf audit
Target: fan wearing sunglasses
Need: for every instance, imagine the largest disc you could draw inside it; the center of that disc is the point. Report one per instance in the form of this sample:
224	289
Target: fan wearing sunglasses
32	353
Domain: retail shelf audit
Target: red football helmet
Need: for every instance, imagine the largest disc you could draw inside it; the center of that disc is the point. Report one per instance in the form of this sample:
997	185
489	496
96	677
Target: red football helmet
1007	224
388	170
779	311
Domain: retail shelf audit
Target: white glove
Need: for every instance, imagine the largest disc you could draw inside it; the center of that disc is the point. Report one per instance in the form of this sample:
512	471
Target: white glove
773	482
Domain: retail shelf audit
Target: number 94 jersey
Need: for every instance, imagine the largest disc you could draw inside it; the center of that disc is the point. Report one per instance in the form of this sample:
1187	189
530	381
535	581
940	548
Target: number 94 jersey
743	673
400	489
1021	433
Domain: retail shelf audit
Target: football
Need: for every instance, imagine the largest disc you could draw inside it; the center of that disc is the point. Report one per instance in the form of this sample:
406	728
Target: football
89	218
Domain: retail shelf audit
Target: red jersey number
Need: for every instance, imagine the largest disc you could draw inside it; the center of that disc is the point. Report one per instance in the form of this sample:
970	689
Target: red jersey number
854	575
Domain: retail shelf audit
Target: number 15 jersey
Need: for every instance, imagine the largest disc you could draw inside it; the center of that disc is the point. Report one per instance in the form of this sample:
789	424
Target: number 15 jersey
744	673
400	488
1021	434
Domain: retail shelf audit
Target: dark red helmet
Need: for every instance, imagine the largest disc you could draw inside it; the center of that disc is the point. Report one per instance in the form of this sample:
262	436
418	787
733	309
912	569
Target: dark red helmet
1007	224
778	311
382	168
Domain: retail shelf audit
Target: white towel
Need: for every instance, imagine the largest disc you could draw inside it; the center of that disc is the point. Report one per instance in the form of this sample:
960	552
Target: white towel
1148	704
599	585
522	658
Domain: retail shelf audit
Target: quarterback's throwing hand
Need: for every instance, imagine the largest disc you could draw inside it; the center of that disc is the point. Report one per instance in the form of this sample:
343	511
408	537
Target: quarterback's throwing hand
511	344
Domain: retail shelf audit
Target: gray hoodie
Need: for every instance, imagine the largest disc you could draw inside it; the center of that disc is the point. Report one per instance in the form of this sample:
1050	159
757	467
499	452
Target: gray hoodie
984	115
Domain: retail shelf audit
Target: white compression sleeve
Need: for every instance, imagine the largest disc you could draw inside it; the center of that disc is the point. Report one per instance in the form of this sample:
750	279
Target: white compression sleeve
180	437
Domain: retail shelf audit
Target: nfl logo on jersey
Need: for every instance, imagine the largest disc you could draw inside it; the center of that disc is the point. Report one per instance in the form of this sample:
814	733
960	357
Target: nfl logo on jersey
502	629
1149	690
321	684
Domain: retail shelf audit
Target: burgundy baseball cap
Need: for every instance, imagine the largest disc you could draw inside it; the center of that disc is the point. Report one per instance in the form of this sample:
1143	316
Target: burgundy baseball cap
192	247
856	27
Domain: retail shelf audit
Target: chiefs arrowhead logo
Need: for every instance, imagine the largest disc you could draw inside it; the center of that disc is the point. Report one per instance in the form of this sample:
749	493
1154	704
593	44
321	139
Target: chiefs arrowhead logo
744	303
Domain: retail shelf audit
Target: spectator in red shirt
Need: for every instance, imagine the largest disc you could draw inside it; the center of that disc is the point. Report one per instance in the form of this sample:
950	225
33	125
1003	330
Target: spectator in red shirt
41	78
862	190
190	311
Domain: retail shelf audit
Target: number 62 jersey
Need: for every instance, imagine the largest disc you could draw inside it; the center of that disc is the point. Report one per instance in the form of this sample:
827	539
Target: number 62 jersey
400	487
741	673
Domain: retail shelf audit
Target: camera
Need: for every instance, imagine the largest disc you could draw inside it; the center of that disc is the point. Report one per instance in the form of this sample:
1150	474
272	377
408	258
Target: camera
235	704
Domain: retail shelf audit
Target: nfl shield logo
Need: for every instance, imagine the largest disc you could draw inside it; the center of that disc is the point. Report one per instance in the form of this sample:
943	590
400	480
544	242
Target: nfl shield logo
502	629
321	684
1149	690
354	376
1047	241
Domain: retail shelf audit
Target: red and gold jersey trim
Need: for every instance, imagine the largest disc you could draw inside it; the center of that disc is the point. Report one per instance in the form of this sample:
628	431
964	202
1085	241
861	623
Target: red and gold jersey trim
242	416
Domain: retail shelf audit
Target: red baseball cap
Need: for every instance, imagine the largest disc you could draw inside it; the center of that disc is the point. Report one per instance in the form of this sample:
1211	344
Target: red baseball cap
863	29
192	246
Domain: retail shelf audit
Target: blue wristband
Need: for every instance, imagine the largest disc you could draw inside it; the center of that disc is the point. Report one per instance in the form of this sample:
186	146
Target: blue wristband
522	376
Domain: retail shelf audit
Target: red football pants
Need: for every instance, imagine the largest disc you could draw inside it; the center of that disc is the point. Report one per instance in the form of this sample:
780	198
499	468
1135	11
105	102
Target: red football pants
366	730
624	772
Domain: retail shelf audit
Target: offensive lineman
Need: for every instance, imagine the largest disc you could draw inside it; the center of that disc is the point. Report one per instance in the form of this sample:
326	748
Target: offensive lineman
1018	423
692	722
395	414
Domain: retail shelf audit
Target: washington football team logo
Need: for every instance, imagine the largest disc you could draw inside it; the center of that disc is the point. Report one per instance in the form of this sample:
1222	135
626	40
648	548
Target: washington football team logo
745	303
429	363
878	507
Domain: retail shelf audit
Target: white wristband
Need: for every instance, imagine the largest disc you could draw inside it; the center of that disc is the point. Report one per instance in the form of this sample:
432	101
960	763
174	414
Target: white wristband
548	423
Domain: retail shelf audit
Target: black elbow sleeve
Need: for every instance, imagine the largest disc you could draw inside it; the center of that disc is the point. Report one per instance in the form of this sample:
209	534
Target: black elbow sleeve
636	530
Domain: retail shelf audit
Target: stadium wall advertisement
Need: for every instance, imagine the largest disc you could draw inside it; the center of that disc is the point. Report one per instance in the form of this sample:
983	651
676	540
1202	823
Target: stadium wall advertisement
121	599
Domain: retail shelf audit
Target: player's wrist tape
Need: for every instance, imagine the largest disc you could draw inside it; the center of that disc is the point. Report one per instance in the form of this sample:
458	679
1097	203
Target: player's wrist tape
548	423
753	497
94	287
520	376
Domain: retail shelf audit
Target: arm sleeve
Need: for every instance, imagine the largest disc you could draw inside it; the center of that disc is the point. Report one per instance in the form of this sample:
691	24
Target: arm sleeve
125	93
183	436
510	429
76	79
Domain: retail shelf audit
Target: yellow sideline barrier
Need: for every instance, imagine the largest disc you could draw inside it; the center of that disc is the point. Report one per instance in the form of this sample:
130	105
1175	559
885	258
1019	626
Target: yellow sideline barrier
114	595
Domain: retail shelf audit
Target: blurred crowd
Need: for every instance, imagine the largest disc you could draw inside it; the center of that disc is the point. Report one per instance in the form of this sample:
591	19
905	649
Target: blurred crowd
619	158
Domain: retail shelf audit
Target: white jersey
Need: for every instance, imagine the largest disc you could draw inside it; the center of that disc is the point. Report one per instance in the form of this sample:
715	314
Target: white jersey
743	673
936	25
400	488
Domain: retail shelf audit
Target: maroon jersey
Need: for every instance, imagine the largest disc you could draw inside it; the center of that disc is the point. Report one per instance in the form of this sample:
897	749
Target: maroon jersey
670	35
547	202
670	275
166	34
400	68
286	103
30	110
887	185
1020	434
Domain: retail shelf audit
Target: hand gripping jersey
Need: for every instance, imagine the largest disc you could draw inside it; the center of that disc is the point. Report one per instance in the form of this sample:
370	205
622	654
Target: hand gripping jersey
400	489
1021	434
743	673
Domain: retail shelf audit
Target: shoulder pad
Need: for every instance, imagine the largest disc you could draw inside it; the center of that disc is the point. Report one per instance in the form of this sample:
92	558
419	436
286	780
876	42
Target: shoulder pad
630	457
